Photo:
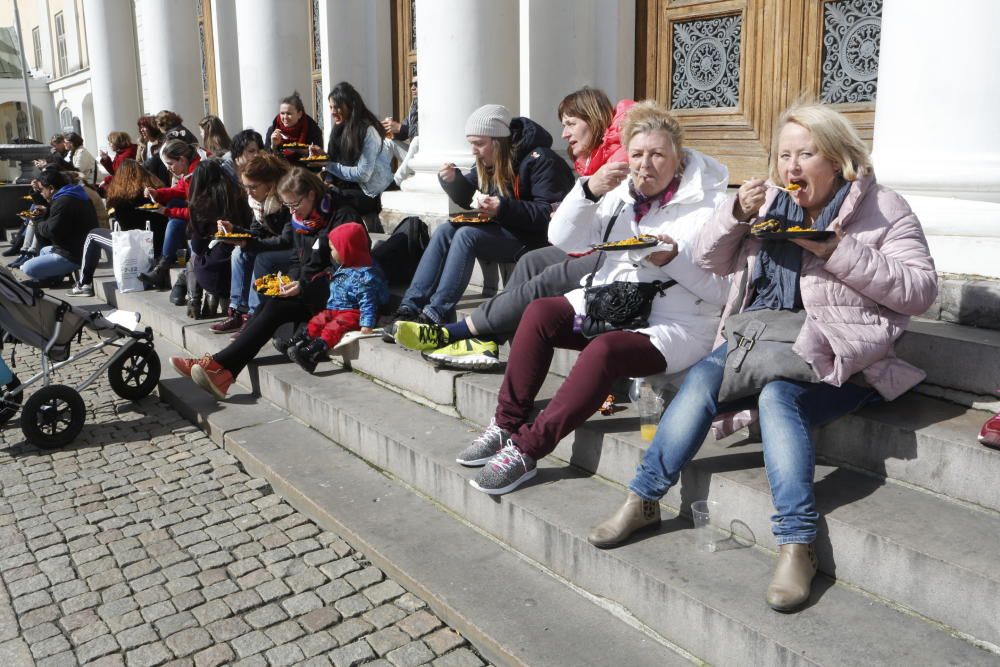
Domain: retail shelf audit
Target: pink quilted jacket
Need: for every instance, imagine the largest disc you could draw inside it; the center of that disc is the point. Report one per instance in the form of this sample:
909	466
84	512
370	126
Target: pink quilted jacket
858	301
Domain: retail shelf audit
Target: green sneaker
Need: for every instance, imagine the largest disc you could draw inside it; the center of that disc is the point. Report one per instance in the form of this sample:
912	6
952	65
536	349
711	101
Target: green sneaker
468	354
420	336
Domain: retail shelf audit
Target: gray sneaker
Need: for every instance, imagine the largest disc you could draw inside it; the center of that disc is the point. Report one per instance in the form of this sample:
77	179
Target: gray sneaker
484	447
81	290
506	471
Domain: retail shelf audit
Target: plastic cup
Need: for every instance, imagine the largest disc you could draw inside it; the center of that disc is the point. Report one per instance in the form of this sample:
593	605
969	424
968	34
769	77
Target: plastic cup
648	422
182	259
704	535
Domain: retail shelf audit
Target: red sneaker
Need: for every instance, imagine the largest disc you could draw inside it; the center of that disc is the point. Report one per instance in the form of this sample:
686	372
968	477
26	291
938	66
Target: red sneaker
213	378
183	365
989	435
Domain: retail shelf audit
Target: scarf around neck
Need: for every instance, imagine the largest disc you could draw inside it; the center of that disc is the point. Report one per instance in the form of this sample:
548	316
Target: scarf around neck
643	204
779	263
296	133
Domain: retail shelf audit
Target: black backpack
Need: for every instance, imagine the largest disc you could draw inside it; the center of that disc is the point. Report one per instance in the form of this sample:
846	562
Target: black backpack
399	254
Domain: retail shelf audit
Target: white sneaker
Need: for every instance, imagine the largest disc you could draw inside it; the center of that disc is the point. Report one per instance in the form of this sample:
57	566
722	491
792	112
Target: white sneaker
81	290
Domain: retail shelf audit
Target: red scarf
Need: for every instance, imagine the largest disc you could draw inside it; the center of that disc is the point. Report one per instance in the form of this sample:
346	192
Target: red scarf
296	133
308	226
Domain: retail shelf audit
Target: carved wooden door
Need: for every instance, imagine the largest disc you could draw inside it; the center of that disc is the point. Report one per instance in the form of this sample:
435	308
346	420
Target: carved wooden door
727	68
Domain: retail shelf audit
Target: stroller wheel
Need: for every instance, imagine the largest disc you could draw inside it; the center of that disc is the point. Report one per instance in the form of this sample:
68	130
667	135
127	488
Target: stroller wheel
135	374
53	416
9	403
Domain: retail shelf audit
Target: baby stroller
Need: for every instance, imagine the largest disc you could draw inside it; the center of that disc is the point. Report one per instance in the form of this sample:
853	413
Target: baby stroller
54	415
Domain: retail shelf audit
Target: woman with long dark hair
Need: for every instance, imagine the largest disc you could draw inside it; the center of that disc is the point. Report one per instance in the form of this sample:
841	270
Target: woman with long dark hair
213	198
359	169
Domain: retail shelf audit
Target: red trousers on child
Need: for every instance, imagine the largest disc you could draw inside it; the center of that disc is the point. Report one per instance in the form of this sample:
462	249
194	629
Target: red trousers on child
547	324
331	325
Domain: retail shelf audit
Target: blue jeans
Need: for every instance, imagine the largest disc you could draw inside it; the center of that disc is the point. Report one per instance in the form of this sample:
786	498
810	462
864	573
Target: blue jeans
48	265
247	266
446	266
173	239
788	410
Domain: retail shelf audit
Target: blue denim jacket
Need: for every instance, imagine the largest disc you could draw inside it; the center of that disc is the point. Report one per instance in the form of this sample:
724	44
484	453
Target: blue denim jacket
363	288
373	172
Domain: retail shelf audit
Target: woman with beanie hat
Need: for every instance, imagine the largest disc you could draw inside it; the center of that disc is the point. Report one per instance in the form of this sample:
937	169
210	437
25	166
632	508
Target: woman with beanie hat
519	179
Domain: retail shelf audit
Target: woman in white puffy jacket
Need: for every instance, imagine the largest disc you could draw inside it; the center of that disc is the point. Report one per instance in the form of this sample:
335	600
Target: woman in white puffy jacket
665	191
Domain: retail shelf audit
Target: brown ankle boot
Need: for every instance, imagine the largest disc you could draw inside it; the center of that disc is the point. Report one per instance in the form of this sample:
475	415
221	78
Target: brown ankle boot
793	577
636	513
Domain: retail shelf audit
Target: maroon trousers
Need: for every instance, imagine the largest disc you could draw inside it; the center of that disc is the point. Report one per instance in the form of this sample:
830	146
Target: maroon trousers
546	325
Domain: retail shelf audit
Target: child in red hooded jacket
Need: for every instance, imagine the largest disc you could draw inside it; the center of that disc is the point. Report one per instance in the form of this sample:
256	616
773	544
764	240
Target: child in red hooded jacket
358	288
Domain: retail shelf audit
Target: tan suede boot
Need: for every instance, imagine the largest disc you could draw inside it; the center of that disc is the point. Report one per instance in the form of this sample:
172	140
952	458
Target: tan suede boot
793	577
636	513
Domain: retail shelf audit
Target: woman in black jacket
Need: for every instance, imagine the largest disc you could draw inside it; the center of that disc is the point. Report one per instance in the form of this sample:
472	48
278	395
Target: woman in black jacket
267	250
523	180
62	232
213	197
312	217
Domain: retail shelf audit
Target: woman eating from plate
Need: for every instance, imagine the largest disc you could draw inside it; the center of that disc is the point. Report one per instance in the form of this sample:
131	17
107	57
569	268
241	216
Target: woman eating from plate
845	299
666	192
293	131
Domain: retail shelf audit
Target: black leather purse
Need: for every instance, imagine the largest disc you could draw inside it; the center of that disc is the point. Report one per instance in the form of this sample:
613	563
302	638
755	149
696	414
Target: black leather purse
620	305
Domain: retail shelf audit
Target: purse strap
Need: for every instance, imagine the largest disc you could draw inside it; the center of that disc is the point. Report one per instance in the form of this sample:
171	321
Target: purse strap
614	218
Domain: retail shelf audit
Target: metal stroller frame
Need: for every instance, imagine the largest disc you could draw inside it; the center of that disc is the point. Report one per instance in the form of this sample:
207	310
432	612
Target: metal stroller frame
55	414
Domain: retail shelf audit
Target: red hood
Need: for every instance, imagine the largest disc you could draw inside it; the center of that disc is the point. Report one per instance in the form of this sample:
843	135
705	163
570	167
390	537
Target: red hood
351	242
610	148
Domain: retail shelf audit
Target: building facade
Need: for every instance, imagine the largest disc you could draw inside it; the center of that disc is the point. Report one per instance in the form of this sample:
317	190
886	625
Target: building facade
726	67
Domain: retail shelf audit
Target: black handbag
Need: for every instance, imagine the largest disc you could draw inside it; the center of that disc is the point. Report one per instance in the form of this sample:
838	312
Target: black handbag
619	305
759	350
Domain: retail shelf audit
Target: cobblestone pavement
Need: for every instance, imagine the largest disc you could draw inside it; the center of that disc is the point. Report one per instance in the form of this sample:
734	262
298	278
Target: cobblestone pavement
145	543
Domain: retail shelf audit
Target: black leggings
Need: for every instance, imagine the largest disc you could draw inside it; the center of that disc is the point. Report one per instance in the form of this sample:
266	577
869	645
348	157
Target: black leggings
268	318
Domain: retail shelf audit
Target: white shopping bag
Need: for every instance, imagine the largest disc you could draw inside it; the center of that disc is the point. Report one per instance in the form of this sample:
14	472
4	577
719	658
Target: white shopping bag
132	254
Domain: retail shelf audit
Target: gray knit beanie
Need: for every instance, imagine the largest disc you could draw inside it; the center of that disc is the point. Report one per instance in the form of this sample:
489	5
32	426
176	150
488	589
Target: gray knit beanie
489	120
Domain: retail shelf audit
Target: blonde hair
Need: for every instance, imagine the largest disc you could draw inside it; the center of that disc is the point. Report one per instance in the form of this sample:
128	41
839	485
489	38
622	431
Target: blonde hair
300	182
651	116
500	177
835	139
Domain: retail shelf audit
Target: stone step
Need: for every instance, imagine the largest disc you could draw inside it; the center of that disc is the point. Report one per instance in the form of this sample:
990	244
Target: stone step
342	409
713	608
510	609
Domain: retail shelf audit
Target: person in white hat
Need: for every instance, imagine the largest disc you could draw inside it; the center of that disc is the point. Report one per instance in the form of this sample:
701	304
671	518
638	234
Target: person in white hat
515	182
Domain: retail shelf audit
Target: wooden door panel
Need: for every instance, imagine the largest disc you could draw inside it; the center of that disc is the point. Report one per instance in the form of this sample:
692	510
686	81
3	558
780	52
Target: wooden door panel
728	102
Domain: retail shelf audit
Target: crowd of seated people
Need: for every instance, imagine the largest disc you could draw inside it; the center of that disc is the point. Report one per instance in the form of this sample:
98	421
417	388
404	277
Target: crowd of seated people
683	264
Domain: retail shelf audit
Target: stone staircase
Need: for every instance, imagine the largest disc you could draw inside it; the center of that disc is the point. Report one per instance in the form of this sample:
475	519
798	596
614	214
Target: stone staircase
910	504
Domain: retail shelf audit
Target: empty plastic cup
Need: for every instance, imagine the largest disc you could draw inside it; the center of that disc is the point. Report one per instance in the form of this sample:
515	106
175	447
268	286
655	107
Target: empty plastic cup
705	537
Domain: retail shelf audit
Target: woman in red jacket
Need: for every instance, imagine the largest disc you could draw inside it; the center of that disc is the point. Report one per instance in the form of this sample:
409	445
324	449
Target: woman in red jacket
121	144
181	159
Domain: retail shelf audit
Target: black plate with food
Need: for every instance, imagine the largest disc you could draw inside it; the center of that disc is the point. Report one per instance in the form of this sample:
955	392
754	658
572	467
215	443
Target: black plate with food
811	234
634	243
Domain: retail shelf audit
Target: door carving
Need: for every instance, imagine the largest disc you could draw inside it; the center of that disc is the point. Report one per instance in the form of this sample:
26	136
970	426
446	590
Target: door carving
727	68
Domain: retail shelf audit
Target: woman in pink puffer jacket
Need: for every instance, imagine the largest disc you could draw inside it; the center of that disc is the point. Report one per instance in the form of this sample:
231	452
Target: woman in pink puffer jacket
858	288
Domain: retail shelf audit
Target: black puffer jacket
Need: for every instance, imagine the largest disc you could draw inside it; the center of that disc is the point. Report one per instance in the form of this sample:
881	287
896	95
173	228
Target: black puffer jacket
71	216
543	179
311	255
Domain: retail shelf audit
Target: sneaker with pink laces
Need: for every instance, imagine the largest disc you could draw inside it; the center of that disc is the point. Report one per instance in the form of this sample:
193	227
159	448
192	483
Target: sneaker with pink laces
989	435
213	378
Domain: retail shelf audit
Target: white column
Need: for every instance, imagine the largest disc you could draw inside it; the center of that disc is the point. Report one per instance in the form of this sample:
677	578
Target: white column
467	56
937	139
169	41
114	78
227	64
356	46
274	57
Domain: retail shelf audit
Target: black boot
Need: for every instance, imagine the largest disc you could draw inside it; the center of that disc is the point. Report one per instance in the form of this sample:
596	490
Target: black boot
178	293
308	354
15	247
194	308
158	276
282	345
209	306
